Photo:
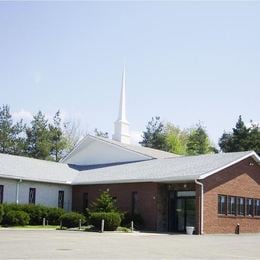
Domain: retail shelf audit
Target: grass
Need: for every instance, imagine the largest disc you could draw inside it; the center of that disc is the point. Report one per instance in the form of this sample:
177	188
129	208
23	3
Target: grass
123	229
33	227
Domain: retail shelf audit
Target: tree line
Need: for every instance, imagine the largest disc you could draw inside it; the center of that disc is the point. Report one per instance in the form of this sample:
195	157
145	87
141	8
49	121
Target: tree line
52	139
41	139
195	140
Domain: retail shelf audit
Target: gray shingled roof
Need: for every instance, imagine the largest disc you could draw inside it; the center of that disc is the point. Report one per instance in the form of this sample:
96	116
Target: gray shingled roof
18	167
161	170
183	168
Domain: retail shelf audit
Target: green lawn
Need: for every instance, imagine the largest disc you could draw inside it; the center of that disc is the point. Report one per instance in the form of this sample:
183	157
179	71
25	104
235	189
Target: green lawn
33	227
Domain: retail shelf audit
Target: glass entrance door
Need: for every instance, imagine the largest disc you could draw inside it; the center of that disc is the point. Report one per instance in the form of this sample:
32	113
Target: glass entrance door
180	214
181	210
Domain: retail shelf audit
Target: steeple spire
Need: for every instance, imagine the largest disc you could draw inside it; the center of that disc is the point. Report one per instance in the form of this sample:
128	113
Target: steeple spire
121	114
121	133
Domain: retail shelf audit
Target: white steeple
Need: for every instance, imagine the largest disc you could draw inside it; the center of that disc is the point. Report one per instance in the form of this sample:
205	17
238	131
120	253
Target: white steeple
121	133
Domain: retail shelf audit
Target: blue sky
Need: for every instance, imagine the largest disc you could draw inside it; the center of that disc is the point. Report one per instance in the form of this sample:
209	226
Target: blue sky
186	61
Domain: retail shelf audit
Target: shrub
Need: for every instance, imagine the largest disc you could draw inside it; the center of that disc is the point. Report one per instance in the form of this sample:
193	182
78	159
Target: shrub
71	219
54	215
37	212
105	203
1	213
137	218
16	218
12	206
112	220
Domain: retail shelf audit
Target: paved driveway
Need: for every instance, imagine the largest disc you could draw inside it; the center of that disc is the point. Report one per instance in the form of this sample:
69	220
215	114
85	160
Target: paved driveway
52	244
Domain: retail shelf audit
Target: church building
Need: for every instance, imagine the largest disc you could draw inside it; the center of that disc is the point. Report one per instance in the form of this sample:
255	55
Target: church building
214	193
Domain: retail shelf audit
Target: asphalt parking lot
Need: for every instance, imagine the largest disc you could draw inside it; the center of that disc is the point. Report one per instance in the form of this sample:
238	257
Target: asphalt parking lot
54	244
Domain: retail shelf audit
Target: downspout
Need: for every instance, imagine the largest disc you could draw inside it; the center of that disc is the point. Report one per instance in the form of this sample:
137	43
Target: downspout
201	207
17	190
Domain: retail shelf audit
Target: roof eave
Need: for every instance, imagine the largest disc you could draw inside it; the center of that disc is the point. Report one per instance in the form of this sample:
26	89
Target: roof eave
251	154
35	179
158	180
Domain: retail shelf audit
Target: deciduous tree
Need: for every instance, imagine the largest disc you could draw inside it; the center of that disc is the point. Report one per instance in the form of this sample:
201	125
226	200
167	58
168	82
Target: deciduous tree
198	141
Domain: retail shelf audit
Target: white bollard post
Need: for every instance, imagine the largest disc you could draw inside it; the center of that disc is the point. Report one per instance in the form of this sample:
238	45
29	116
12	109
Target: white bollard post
102	225
43	222
132	226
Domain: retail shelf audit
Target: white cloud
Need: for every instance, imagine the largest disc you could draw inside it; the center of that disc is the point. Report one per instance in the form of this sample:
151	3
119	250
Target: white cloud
136	137
22	114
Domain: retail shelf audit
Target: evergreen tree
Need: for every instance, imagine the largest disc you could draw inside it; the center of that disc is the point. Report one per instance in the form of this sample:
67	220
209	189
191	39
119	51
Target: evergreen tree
58	141
39	138
154	136
242	138
105	203
11	139
19	141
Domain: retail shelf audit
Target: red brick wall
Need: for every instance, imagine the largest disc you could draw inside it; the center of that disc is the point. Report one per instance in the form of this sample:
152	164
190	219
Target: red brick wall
242	180
147	193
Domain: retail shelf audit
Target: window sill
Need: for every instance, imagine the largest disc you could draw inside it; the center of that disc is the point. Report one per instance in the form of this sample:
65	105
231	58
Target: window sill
238	216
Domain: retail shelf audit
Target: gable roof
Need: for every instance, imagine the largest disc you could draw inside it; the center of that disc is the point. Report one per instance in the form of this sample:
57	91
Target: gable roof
147	151
185	168
135	153
19	167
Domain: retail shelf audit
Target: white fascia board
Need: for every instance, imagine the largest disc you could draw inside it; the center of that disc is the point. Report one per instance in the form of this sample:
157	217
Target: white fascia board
34	179
251	154
122	147
73	150
158	180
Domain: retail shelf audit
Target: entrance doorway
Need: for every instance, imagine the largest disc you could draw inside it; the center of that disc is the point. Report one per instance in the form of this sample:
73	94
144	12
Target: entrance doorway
181	210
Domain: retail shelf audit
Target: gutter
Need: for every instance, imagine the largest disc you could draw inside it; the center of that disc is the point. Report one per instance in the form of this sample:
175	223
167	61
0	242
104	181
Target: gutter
201	207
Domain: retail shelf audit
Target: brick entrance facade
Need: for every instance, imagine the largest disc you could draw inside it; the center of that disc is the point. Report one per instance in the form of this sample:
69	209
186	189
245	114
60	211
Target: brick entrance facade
241	180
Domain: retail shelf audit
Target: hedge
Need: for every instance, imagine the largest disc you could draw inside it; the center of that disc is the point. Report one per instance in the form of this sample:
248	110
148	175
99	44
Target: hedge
37	213
16	218
72	219
1	213
54	215
112	220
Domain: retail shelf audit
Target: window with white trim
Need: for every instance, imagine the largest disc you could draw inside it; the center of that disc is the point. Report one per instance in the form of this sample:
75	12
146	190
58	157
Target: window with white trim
61	199
240	206
231	205
32	195
249	207
257	208
1	193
